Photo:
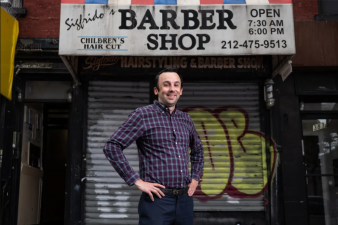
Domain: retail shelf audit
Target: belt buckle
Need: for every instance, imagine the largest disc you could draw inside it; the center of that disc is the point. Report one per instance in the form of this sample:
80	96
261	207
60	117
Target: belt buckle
175	192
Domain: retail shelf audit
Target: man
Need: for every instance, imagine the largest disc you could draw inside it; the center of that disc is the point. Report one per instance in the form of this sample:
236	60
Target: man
163	136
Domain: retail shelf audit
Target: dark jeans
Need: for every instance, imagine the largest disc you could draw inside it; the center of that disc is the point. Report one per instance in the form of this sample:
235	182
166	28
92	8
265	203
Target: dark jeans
169	210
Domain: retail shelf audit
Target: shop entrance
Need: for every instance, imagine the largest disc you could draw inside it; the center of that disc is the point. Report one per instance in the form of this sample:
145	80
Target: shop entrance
43	164
54	160
109	200
320	156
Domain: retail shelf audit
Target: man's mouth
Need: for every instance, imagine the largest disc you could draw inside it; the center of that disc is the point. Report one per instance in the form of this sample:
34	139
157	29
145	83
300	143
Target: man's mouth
171	96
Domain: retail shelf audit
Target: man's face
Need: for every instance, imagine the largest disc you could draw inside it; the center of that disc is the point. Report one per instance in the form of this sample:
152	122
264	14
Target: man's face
170	91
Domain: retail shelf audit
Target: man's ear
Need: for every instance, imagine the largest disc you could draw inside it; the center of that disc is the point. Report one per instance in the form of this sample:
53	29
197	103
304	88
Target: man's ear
155	91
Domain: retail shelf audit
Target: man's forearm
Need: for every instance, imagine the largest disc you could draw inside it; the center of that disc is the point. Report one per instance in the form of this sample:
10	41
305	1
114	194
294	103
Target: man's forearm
117	159
197	163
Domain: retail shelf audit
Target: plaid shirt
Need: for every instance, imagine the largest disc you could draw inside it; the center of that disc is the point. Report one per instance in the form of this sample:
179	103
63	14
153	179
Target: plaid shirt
163	142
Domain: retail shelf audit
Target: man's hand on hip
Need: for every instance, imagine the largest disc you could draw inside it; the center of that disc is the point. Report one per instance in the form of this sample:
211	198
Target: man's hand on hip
192	187
150	188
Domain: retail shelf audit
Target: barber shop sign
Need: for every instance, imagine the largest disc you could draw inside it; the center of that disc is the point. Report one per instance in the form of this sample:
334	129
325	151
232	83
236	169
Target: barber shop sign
159	30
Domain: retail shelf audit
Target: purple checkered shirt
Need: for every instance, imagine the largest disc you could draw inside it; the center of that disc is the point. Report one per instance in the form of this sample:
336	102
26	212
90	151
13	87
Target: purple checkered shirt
163	142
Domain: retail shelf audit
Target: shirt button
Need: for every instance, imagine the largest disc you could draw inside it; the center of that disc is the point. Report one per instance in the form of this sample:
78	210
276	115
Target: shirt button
181	171
179	156
176	142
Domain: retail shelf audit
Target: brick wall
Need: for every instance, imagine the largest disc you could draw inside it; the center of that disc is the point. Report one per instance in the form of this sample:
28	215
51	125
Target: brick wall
305	10
42	19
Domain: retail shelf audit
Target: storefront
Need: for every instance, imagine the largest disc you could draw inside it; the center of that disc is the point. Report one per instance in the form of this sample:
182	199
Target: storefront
224	53
55	128
262	166
318	107
227	112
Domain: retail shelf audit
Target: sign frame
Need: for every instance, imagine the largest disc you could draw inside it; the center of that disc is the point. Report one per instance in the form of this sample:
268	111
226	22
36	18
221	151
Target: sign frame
160	30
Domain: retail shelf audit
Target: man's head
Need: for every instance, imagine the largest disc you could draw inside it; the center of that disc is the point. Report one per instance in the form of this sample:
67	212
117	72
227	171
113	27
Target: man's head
168	87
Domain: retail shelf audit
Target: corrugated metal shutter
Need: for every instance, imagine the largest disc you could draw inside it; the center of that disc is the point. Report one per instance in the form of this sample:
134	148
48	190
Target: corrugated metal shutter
227	120
108	199
233	178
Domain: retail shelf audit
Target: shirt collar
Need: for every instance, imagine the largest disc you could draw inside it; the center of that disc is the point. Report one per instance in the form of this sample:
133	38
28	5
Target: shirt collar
163	107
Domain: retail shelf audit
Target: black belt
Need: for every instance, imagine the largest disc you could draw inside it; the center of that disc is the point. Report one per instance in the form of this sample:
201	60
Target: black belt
175	191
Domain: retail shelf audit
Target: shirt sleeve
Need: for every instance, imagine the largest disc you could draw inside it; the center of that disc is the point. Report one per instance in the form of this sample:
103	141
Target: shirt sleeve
196	154
124	136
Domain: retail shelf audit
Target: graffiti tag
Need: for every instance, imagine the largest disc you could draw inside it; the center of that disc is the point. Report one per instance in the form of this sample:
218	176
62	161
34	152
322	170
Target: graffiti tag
235	157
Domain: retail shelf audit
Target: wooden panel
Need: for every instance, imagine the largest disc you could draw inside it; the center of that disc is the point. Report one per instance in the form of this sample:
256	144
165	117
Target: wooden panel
316	43
30	195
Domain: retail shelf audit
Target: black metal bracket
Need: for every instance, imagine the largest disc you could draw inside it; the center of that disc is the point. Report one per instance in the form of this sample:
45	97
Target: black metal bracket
20	12
322	17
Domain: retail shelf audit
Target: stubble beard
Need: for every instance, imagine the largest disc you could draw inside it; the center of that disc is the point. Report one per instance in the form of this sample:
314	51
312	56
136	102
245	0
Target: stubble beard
168	103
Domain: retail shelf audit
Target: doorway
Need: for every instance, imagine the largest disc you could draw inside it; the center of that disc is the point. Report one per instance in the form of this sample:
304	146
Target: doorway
320	157
54	160
43	164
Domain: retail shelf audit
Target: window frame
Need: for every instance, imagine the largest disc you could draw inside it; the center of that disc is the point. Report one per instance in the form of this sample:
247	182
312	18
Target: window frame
321	14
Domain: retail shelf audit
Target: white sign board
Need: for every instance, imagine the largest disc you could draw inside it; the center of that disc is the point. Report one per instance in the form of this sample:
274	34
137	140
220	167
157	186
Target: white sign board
162	30
318	126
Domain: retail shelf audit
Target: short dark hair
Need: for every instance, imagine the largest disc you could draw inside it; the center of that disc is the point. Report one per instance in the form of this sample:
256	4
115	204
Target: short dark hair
169	69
